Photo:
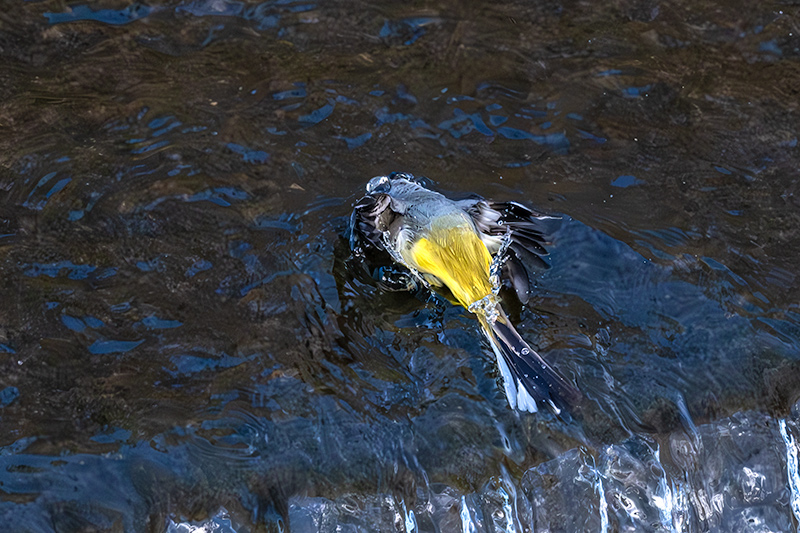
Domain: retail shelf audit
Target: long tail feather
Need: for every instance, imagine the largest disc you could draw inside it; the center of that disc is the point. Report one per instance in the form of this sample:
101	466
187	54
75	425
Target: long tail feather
527	378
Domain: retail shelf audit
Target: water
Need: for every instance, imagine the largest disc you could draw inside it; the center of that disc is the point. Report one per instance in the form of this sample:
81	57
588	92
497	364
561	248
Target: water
185	345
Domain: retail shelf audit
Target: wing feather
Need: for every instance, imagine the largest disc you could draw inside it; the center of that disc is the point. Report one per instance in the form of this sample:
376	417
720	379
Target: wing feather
493	220
370	214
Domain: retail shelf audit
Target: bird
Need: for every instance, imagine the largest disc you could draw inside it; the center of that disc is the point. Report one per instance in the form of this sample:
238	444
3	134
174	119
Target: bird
468	248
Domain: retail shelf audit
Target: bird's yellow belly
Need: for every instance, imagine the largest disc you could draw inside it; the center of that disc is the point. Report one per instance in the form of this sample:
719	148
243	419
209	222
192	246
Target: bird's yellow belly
458	257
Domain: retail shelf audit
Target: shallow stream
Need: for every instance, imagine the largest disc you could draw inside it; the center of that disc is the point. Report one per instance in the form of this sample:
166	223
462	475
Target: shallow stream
184	346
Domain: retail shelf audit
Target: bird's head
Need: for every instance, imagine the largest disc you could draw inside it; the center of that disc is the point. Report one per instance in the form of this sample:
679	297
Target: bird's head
403	180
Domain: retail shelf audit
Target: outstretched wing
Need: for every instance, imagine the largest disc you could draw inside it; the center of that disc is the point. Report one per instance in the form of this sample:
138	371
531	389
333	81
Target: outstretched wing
369	215
372	215
527	242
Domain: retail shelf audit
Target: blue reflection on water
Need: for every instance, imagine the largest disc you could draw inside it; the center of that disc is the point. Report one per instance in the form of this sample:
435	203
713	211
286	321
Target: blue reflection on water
8	395
216	195
190	364
72	270
249	155
355	142
318	115
102	347
73	323
39	204
201	265
112	434
300	92
115	17
153	322
626	181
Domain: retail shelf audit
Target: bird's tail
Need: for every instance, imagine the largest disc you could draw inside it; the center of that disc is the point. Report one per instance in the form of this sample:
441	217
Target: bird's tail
527	378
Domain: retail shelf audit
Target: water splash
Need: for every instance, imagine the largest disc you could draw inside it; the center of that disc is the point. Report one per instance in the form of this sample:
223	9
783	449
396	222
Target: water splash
498	260
601	496
508	512
486	306
220	523
791	468
409	520
467	524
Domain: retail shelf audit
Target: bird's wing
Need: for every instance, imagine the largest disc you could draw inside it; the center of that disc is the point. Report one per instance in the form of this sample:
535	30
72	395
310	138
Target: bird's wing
527	242
370	214
367	221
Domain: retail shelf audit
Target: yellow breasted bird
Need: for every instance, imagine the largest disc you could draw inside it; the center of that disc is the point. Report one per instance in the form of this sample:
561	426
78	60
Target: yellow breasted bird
451	244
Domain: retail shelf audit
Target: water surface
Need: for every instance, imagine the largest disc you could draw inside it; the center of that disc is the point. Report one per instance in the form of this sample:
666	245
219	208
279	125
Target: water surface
186	346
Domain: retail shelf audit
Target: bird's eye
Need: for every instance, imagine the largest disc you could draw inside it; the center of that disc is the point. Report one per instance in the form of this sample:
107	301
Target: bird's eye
379	184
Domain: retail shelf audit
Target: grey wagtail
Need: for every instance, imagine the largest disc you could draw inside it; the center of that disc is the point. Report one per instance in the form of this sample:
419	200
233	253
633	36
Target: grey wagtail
450	244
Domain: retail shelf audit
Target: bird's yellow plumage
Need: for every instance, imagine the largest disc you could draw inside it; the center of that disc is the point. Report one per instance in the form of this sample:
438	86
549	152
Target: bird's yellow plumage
458	257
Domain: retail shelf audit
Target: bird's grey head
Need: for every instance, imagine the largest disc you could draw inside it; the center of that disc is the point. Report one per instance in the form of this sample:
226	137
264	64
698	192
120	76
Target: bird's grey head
379	184
384	184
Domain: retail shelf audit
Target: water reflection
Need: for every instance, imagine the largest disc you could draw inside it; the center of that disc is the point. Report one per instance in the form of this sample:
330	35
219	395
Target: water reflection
186	346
